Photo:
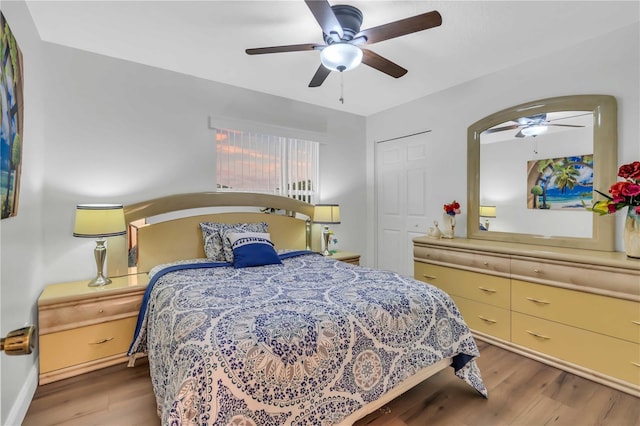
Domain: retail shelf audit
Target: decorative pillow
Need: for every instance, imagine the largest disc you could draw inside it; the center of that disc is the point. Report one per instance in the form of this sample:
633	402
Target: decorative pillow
227	229
212	241
253	249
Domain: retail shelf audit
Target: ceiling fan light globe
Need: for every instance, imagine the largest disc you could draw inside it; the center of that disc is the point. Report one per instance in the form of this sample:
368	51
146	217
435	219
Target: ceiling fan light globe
341	56
534	130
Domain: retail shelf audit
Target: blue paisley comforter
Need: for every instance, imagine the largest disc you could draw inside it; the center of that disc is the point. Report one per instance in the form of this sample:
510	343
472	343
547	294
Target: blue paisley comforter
307	342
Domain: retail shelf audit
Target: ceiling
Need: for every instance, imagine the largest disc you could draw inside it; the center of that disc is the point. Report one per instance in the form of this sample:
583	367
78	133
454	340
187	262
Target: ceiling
207	39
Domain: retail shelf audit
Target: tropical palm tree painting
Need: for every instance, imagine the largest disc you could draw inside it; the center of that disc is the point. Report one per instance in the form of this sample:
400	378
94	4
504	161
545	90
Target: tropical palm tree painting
11	120
560	183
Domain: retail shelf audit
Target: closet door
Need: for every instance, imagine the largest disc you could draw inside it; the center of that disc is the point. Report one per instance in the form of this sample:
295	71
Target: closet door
402	191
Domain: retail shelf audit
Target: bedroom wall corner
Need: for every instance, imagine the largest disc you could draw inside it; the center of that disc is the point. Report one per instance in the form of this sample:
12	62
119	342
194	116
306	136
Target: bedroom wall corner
21	275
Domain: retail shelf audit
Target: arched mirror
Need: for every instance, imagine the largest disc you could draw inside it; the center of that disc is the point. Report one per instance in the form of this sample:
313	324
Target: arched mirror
532	170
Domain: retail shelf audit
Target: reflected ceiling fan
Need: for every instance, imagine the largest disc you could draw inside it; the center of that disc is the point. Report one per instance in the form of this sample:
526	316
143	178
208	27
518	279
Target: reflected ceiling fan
343	39
532	125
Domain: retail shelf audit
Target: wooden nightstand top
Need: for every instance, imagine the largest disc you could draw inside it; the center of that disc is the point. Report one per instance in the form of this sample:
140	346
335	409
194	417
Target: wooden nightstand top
79	290
346	256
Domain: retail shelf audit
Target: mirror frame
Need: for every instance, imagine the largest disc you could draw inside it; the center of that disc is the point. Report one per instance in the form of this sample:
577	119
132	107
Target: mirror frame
605	153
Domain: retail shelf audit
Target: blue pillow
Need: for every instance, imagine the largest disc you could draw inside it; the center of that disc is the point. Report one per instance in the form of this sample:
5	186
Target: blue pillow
253	249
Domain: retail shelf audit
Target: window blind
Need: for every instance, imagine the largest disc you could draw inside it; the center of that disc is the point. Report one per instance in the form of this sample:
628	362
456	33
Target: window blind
253	162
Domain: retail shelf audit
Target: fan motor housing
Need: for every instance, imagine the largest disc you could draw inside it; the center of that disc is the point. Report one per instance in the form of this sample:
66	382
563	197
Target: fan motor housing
350	19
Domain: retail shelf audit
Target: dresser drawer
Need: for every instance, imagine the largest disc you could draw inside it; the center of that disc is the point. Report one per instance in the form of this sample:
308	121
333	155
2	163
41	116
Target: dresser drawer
468	260
471	285
607	315
80	313
73	347
604	354
485	318
581	275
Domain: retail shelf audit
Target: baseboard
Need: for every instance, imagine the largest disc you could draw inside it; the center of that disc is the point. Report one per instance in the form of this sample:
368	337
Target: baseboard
21	405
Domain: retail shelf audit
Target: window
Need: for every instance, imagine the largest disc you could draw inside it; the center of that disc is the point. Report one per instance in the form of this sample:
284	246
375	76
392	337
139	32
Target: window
255	162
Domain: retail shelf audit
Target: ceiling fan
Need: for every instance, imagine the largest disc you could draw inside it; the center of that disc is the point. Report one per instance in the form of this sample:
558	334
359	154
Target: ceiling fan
343	39
532	125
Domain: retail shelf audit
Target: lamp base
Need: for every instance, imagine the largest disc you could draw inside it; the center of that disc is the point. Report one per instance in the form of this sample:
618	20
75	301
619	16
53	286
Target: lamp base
99	281
100	253
325	236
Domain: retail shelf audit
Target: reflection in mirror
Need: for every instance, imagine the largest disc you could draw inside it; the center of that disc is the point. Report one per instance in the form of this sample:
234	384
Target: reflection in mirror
543	162
537	164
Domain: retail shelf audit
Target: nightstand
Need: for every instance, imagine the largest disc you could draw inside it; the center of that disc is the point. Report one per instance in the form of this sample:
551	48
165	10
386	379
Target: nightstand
84	328
346	256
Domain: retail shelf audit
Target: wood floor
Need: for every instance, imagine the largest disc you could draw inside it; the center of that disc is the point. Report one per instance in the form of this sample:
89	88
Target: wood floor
521	392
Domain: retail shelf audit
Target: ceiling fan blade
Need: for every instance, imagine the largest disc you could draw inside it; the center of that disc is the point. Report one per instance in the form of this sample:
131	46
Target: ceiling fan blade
382	64
563	125
402	27
323	13
279	49
501	129
320	76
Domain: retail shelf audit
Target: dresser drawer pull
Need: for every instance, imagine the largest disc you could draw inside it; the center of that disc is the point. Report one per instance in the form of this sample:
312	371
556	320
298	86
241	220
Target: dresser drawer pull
541	336
429	277
490	321
485	263
636	322
100	342
635	363
488	290
542	302
537	271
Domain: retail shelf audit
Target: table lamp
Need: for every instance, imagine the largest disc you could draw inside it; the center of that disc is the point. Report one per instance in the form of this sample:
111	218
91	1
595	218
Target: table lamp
99	221
326	214
487	212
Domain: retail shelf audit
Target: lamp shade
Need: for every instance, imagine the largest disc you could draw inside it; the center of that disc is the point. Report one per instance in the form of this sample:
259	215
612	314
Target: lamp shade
326	213
487	211
99	221
341	56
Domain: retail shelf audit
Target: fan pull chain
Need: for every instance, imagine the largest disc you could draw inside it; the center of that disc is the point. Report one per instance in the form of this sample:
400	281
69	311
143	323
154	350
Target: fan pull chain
341	87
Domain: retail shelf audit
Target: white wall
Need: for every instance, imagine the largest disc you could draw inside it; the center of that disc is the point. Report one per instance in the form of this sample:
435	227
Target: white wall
21	259
607	65
123	132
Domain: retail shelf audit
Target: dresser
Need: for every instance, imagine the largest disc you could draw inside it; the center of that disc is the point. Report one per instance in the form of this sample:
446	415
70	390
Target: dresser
84	328
578	310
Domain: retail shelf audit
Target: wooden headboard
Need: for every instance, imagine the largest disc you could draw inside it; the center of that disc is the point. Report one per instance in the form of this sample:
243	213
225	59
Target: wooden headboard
181	238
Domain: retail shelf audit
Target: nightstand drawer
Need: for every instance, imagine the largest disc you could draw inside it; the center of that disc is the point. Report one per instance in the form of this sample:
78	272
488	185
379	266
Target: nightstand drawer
485	318
84	344
79	314
607	315
471	285
608	355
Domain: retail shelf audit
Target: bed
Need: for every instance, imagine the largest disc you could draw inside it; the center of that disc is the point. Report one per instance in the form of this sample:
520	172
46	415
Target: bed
279	334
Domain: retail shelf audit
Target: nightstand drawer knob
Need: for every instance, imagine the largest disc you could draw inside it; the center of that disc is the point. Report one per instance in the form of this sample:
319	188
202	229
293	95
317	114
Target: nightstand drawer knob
100	342
429	277
487	290
100	311
490	321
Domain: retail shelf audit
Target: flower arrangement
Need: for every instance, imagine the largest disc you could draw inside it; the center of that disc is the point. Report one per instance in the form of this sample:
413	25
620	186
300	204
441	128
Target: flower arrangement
453	208
623	194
